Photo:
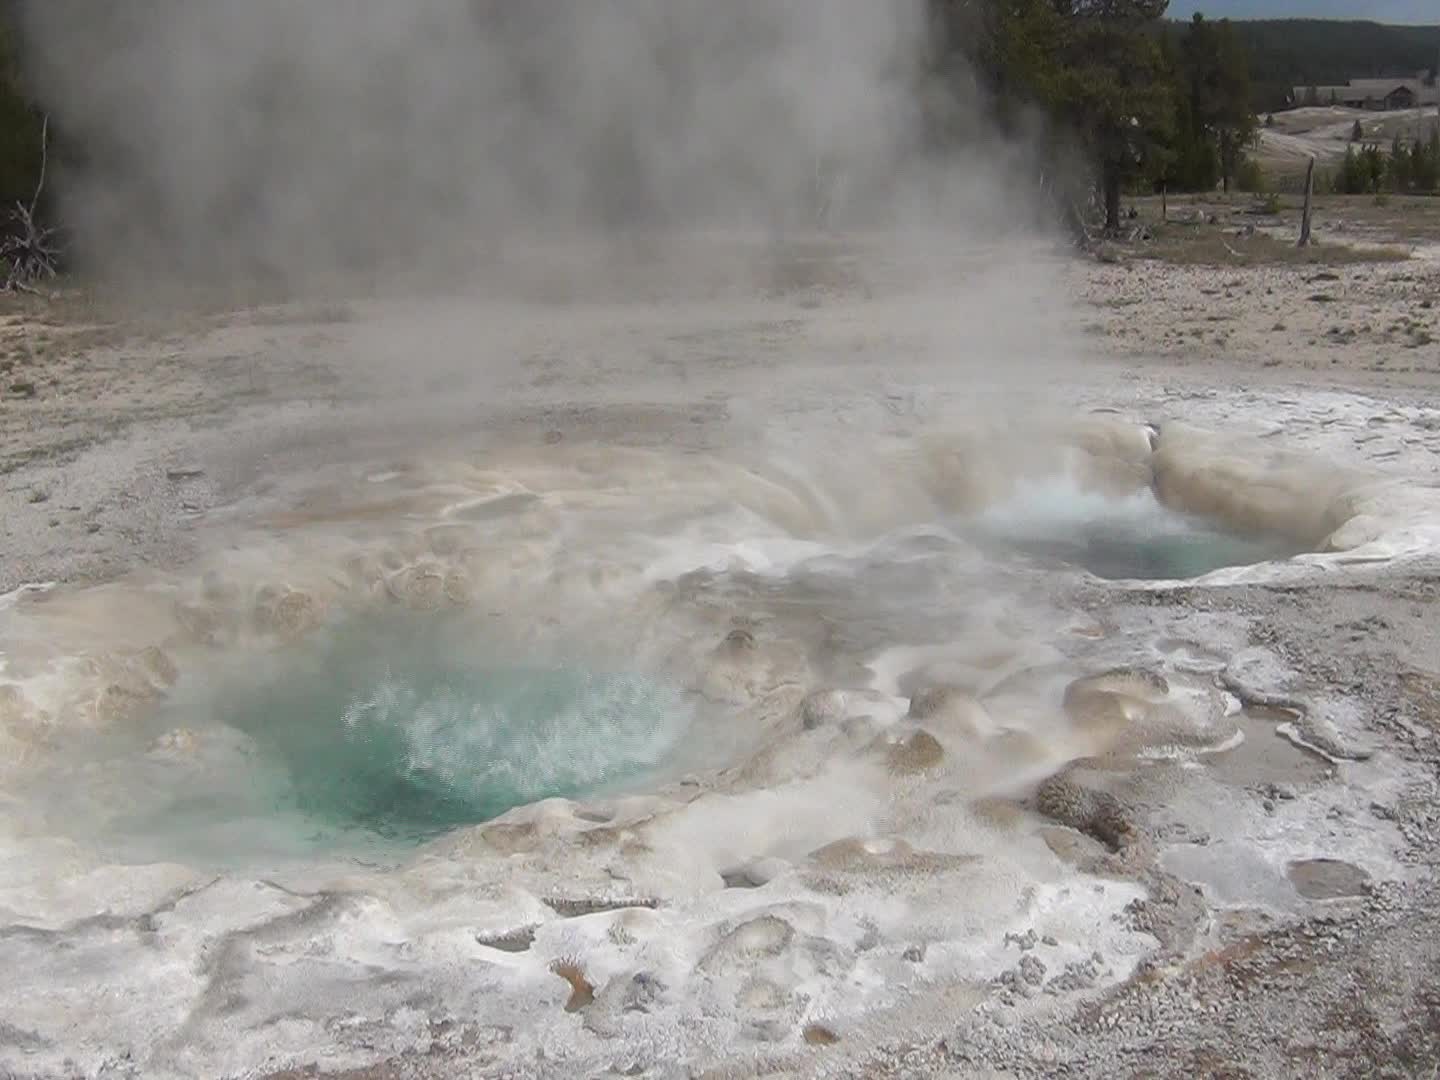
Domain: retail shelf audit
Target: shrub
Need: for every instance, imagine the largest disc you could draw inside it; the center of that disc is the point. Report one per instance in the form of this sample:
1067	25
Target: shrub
1249	177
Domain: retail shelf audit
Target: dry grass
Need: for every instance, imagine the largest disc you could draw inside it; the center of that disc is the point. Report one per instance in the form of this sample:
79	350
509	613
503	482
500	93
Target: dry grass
63	303
305	315
1216	245
1391	219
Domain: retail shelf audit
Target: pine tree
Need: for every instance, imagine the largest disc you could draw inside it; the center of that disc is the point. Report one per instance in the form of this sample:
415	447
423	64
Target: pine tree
1372	168
19	127
1354	175
1398	172
1097	68
1219	85
1425	164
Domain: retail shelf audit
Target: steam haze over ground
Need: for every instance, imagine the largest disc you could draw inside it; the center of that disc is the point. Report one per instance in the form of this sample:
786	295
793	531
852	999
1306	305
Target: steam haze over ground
286	139
671	618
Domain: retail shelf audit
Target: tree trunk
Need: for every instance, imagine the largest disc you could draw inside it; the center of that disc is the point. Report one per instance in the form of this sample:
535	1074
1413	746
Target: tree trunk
1111	182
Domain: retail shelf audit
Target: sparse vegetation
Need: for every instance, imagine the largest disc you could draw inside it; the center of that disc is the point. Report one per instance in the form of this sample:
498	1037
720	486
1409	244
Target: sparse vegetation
1215	231
1410	166
1183	245
1250	178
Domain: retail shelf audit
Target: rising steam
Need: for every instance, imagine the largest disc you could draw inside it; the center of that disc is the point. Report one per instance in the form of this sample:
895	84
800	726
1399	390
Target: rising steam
289	138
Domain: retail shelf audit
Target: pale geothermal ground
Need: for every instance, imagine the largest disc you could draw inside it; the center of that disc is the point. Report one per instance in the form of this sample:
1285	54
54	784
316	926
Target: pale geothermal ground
807	584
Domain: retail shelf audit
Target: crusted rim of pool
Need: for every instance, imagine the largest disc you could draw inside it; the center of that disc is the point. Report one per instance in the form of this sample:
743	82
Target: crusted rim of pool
802	877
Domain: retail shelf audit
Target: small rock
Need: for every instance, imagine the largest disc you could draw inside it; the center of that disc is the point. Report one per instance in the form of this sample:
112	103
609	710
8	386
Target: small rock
510	941
869	938
1032	970
1026	941
821	708
919	753
1081	975
643	991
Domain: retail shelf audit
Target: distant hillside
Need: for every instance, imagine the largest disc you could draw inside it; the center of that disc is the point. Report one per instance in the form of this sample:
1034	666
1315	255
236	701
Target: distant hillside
1306	52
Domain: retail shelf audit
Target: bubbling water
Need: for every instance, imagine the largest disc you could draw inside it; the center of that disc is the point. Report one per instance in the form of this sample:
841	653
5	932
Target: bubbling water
406	738
378	734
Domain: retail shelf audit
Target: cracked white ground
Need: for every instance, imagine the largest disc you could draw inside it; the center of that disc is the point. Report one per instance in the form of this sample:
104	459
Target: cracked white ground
788	600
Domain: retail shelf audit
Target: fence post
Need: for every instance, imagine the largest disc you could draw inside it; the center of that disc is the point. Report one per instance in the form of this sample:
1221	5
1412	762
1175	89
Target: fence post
1305	214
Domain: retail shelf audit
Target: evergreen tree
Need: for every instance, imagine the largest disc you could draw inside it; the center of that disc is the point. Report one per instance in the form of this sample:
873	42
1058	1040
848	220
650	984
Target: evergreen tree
1372	162
1398	172
1219	86
19	128
1097	68
1427	163
1361	170
1420	167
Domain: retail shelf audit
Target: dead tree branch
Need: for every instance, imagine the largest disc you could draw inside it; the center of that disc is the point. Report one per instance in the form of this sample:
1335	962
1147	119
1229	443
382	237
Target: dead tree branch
44	162
30	248
1309	194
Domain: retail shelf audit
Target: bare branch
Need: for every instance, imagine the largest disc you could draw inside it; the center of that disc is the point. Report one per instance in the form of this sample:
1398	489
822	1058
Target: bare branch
44	162
30	247
20	286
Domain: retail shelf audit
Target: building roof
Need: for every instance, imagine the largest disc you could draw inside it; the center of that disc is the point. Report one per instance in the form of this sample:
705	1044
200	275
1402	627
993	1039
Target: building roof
1380	88
1371	90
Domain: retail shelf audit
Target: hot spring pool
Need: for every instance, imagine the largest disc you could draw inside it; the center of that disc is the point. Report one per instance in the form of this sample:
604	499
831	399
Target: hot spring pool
1130	538
890	737
380	733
